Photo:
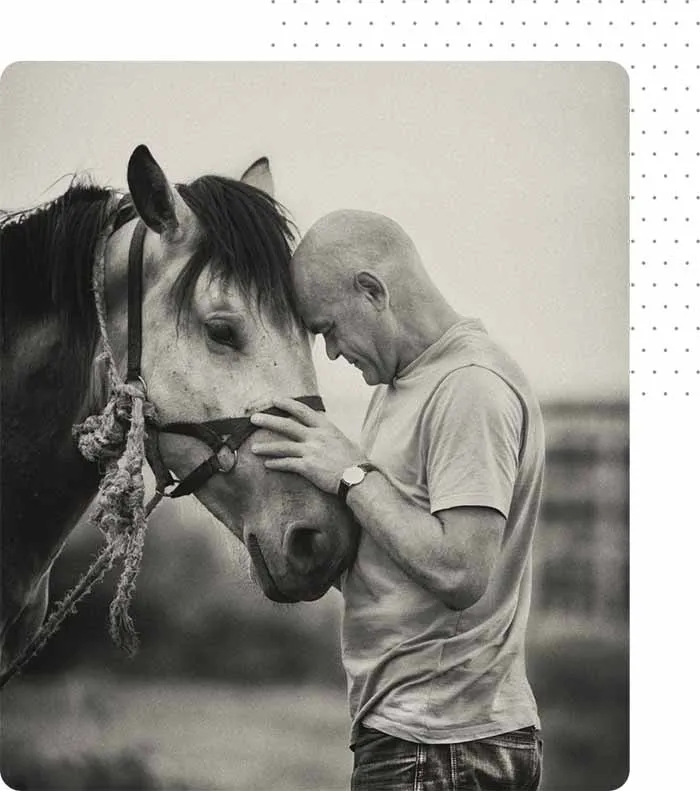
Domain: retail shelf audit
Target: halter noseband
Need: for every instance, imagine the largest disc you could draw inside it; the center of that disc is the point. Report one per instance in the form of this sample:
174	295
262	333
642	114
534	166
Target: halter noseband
217	434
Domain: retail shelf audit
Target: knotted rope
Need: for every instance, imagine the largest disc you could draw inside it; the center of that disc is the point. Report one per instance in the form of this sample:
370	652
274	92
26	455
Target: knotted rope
115	440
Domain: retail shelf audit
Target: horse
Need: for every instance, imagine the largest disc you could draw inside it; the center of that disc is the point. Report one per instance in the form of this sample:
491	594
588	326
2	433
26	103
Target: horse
219	336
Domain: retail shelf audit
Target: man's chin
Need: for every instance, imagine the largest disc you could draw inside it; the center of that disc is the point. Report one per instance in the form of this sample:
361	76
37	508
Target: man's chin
368	374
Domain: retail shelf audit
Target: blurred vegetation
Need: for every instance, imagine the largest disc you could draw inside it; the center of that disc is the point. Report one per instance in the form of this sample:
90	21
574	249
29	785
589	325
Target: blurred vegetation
128	771
582	690
175	734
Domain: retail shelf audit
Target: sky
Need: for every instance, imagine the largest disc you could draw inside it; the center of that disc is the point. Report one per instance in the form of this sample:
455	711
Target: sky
511	178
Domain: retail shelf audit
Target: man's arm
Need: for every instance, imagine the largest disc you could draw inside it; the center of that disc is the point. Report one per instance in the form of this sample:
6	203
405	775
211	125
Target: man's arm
451	553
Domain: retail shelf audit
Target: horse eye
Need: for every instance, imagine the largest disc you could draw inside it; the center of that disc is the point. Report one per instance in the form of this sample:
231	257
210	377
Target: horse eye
223	333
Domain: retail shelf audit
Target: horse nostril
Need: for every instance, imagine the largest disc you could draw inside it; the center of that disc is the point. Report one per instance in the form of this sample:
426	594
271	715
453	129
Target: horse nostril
306	548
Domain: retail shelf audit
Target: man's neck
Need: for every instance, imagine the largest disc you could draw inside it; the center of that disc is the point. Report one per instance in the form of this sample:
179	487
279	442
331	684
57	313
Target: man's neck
421	330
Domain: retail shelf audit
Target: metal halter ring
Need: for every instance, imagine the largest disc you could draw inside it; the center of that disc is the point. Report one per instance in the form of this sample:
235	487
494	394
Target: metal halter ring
144	385
227	467
138	379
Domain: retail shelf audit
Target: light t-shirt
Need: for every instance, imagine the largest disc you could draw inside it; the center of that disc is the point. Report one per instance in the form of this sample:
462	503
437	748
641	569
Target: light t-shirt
457	427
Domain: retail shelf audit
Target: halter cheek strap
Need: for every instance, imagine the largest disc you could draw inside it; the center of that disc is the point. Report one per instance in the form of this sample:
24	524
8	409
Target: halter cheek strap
135	303
229	432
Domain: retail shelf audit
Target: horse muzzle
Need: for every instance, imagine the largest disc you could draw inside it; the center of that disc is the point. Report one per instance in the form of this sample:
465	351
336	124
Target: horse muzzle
311	567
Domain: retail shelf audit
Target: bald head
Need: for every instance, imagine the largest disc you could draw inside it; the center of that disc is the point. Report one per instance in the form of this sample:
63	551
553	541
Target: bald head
344	242
360	281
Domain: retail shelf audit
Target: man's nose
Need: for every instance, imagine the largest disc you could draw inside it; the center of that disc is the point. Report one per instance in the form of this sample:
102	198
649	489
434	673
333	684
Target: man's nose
332	349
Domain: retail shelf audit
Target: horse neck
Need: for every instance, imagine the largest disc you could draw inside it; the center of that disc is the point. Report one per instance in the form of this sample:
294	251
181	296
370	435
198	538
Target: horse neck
46	483
48	343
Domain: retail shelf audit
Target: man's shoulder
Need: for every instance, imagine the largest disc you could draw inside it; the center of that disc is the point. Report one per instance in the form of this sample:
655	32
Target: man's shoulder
474	360
474	380
477	390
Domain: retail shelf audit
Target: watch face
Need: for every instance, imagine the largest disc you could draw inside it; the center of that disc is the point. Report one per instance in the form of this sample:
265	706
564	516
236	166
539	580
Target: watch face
353	475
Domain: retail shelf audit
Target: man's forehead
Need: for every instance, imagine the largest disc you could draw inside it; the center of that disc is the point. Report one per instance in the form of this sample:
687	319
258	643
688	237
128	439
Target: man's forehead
319	289
314	313
312	283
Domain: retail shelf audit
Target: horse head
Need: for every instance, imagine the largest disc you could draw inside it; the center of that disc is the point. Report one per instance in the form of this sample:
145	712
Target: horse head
220	338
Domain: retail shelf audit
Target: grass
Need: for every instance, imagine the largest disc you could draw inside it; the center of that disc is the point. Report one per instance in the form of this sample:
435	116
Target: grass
102	731
581	686
171	735
87	772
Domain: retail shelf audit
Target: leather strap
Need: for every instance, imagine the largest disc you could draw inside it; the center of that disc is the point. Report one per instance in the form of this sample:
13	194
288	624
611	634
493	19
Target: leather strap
237	429
229	432
135	302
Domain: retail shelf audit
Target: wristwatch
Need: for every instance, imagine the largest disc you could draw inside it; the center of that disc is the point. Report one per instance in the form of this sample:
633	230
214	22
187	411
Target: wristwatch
352	476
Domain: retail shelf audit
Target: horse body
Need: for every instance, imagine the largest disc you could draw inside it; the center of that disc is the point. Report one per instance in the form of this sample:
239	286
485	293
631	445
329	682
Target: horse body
220	339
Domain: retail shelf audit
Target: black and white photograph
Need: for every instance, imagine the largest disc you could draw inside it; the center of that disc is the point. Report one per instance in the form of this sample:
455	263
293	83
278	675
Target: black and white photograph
315	425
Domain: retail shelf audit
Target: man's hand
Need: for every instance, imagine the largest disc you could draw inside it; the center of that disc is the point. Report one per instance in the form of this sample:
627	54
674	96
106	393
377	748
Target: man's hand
310	445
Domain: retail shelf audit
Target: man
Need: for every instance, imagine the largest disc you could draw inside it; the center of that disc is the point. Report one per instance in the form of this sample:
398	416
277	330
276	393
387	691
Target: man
447	494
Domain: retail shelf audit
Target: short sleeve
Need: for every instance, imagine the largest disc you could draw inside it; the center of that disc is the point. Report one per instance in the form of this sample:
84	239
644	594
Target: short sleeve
470	438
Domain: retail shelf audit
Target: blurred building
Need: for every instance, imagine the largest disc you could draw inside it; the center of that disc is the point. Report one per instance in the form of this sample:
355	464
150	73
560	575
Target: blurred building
581	578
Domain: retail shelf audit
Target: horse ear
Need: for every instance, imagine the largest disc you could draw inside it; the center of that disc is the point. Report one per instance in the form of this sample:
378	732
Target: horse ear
259	175
158	203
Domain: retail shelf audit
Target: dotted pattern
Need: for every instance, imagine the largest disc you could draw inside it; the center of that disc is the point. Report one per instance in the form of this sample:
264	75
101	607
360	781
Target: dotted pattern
653	41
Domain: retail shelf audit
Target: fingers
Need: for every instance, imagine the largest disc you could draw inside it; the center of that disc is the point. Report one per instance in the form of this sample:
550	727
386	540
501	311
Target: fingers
286	464
301	417
282	425
303	413
276	449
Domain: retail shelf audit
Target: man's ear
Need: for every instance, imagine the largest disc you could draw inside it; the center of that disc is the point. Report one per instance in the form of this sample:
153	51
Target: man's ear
373	287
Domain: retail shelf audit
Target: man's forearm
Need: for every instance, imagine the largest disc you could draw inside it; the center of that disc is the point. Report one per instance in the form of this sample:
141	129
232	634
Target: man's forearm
414	539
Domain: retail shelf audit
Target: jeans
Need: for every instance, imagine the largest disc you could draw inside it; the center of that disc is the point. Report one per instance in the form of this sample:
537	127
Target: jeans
507	762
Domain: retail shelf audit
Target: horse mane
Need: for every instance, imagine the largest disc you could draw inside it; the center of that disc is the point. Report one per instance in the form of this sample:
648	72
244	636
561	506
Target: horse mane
247	238
47	256
47	253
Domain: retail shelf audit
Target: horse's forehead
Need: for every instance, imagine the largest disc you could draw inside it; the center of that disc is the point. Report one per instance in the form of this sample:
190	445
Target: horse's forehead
214	291
162	263
214	288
